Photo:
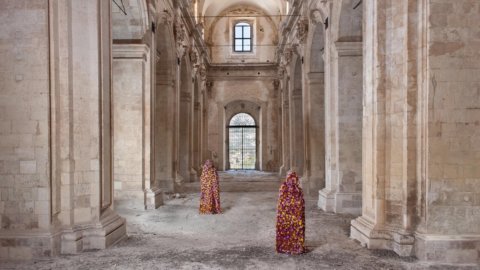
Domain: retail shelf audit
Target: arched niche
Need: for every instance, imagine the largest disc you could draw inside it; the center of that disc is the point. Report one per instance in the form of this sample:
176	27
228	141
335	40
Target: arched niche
347	21
134	24
317	49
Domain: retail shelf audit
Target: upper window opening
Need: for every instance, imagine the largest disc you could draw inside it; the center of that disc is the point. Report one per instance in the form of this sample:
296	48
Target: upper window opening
242	119
242	37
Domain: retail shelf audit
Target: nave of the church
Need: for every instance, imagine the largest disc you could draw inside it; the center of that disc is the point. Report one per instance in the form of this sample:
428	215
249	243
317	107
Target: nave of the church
131	128
176	237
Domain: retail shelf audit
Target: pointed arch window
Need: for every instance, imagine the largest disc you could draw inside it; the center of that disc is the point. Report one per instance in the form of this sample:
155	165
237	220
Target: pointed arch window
242	39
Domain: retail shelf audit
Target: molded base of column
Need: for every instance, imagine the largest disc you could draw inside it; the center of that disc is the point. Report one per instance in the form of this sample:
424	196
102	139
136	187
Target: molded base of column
340	202
365	232
282	172
153	198
110	230
326	200
193	176
451	249
311	185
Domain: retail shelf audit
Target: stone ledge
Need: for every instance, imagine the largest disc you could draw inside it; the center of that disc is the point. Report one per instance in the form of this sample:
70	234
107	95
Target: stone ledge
451	249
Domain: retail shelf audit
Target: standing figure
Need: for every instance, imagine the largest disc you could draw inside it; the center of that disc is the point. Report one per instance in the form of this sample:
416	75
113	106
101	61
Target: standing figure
291	217
210	197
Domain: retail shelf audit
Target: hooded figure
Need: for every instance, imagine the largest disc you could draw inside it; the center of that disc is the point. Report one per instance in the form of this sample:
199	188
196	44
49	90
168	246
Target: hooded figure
210	197
291	217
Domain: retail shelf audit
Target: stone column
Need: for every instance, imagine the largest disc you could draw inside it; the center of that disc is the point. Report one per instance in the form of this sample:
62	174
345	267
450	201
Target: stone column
185	132
135	183
86	217
343	187
197	136
285	128
296	132
314	102
385	221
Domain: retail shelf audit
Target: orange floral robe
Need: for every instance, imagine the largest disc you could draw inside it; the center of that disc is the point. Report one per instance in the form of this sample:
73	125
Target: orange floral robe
210	197
291	217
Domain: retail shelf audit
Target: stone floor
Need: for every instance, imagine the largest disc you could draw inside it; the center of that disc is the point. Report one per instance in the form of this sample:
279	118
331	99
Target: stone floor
177	237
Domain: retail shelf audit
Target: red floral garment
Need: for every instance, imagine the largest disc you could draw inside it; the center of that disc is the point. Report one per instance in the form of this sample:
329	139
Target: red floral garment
291	217
210	197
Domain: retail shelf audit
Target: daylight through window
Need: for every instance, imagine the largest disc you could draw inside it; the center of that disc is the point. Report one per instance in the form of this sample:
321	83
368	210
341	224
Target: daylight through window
242	37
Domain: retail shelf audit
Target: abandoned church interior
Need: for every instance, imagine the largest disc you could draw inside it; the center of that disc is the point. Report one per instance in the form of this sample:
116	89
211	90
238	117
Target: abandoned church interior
109	109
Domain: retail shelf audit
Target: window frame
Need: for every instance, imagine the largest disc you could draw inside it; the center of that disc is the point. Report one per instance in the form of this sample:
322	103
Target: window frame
251	38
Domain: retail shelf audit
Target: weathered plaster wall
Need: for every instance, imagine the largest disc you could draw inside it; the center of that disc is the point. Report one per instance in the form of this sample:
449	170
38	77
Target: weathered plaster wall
219	36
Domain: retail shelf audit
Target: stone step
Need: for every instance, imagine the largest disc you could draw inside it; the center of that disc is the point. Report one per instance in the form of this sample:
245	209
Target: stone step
241	181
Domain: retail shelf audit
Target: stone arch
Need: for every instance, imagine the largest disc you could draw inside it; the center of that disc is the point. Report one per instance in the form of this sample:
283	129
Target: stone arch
347	21
314	105
316	49
344	110
134	24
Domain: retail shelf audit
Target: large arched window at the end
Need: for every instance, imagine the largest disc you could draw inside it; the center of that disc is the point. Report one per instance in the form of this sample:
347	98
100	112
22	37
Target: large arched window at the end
242	37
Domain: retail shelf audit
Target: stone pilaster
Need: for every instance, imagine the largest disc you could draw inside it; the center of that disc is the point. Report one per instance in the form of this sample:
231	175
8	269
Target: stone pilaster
343	190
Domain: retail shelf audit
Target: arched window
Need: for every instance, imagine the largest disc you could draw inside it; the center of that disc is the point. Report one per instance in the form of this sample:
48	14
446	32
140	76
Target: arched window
242	37
242	146
242	119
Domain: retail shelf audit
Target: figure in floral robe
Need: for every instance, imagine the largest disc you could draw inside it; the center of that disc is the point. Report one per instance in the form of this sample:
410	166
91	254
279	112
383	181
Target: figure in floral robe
291	217
210	197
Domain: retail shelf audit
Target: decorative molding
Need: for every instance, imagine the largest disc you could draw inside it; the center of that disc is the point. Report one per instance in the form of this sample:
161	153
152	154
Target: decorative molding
281	72
202	72
349	48
193	57
180	35
302	30
276	84
130	51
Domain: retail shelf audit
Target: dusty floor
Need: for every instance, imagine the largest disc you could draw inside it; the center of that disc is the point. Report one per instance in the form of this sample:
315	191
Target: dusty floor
176	237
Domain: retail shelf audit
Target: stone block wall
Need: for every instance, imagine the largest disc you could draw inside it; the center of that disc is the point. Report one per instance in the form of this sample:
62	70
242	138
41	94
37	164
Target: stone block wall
24	126
450	230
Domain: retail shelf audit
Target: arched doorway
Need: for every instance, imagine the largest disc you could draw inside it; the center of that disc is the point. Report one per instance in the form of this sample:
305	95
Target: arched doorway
242	142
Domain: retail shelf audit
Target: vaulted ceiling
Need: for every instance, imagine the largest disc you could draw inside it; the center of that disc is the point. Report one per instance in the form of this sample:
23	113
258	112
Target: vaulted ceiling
269	7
